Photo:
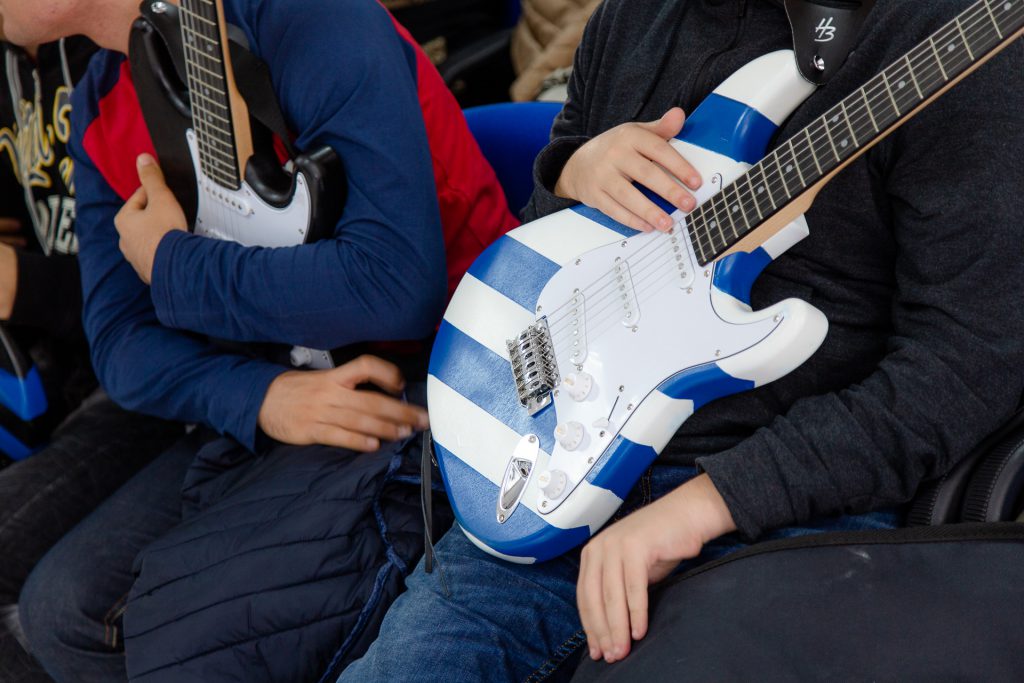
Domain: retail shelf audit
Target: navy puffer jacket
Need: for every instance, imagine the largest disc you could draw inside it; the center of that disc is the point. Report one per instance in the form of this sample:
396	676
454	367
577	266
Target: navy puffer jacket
283	566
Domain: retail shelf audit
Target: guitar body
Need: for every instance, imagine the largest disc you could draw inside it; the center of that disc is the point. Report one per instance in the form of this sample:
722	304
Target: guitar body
629	332
272	207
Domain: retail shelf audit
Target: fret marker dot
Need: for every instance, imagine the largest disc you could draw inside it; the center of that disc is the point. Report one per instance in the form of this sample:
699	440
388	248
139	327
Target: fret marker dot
1007	6
901	84
843	143
789	167
835	119
951	47
735	208
760	189
713	223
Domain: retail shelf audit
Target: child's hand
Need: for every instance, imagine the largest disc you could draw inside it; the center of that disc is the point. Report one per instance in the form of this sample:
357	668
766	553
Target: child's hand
601	173
620	563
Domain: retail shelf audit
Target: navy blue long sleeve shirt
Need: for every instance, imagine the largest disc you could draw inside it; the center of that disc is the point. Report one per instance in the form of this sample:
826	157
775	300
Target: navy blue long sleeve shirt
344	77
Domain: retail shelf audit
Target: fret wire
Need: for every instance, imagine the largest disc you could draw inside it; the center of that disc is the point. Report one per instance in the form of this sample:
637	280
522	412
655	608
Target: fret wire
716	222
888	88
993	17
963	37
846	117
739	202
810	146
867	108
763	184
831	141
938	59
782	177
913	77
750	185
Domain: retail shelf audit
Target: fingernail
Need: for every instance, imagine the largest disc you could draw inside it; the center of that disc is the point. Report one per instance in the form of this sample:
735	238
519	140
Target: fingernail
664	222
695	182
595	654
372	444
404	431
145	160
689	203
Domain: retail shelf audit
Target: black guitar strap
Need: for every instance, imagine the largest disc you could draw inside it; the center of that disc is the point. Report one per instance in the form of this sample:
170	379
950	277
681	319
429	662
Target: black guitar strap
252	76
824	34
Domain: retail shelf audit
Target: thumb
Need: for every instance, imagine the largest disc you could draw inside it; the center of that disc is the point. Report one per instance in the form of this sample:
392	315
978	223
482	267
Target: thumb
669	125
150	175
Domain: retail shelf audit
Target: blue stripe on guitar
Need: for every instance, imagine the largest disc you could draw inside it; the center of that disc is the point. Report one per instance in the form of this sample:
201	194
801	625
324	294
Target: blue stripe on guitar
471	369
601	219
703	384
515	270
524	534
621	465
729	128
735	274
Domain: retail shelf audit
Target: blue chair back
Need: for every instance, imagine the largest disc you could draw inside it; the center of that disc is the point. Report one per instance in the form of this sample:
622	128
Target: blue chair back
511	134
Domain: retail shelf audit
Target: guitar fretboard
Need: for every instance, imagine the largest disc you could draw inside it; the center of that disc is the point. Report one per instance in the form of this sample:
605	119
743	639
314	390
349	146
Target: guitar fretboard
208	92
840	133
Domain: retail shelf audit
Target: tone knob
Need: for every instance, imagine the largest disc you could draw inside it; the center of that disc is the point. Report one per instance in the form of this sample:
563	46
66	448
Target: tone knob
552	483
578	385
570	435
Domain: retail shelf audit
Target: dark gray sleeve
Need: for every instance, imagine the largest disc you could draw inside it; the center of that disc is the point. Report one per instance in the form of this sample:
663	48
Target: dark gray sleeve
568	133
954	368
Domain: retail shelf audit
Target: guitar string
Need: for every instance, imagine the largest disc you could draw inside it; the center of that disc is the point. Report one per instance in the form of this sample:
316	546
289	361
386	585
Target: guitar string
862	118
858	121
973	27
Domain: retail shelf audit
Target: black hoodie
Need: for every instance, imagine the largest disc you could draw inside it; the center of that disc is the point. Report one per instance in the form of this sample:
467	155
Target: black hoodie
36	187
916	256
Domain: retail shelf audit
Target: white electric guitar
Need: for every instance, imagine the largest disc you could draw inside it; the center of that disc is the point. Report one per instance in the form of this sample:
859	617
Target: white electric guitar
575	347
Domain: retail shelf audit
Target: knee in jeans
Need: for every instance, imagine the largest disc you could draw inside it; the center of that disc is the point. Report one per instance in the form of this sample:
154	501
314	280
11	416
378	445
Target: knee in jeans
55	611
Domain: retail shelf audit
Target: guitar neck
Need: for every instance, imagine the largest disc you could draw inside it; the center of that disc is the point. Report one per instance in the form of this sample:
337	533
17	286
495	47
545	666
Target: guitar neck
220	118
784	183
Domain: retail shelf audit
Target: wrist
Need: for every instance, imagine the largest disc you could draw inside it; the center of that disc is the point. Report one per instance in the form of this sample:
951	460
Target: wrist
702	507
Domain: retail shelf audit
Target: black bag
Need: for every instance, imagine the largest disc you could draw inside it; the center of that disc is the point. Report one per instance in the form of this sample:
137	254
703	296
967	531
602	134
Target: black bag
937	603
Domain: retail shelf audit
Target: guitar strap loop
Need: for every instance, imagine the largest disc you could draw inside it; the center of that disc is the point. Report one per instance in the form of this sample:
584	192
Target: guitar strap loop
824	34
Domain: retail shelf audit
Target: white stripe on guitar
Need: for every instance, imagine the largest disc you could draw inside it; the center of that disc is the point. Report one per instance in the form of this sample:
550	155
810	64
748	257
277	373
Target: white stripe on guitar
656	420
485	315
771	85
563	236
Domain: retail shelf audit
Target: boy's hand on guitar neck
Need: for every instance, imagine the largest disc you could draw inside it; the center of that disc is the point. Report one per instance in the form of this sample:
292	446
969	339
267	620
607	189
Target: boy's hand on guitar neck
601	173
146	217
326	407
618	565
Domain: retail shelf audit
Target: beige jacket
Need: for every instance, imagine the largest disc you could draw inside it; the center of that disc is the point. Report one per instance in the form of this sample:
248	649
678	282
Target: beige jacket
545	40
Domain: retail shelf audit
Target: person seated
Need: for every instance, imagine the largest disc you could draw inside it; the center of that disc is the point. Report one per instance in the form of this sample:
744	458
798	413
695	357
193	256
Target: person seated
265	542
97	445
918	365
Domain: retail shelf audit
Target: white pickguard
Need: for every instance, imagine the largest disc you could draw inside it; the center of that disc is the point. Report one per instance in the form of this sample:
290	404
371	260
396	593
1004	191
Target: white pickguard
242	216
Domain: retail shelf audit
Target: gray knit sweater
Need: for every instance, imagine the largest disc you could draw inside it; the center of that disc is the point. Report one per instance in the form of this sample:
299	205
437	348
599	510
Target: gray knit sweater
916	255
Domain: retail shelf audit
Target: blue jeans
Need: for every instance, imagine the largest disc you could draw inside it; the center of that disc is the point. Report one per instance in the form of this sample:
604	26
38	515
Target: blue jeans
484	619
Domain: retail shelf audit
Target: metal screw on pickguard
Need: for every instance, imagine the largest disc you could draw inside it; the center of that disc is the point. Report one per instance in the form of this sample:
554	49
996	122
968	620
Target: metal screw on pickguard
629	407
624	244
600	434
579	261
539	309
544	504
590	461
718	352
689	290
634	329
622	387
777	318
533	439
707	273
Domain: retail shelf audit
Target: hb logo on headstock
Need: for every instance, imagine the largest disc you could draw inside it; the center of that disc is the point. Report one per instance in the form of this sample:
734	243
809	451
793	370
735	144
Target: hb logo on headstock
825	30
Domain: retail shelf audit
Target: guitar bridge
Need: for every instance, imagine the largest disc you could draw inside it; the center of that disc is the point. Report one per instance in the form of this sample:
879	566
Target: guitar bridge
533	366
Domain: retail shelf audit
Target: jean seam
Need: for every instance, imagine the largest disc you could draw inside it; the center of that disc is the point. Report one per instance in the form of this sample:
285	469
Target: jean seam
561	653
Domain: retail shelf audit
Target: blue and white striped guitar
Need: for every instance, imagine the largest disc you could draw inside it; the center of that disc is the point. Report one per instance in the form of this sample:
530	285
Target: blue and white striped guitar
575	347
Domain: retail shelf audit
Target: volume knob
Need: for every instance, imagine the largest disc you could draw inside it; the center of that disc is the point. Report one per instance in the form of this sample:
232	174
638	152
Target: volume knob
569	435
552	483
578	385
